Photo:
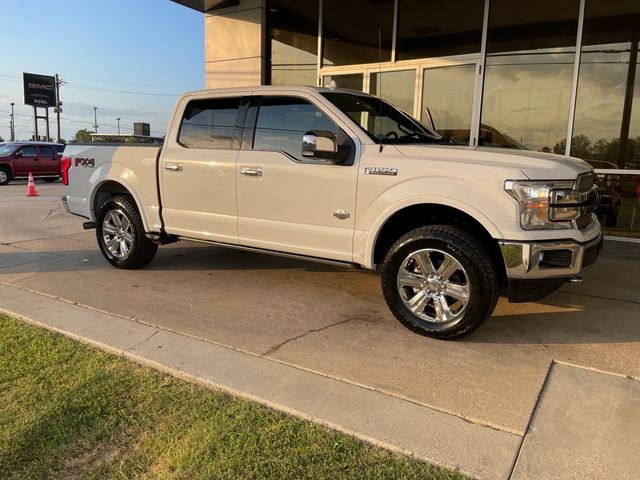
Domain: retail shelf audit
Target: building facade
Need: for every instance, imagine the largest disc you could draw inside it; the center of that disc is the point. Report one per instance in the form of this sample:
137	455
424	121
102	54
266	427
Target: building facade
504	73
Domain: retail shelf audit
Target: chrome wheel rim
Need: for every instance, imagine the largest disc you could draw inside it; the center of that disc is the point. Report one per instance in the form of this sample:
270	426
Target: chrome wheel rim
434	286
117	234
3	176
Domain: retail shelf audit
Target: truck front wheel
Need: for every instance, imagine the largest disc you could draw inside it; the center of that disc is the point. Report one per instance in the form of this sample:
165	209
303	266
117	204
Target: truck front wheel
120	234
440	281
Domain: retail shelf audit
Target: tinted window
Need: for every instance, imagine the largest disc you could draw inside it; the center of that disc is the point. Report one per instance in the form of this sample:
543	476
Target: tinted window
28	151
294	41
357	31
432	28
282	121
47	152
209	123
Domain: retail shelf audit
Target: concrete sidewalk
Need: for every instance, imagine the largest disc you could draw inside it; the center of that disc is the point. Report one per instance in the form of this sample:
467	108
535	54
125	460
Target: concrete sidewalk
380	419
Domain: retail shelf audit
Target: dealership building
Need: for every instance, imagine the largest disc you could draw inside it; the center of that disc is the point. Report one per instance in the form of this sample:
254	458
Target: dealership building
504	73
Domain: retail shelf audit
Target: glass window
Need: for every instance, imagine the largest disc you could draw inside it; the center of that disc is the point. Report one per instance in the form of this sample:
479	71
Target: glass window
209	123
606	130
28	151
7	149
396	87
282	121
352	81
382	121
432	28
47	152
294	42
528	75
351	31
447	97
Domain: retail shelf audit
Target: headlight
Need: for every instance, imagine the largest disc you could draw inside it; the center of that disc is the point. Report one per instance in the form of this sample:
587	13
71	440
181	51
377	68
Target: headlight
545	205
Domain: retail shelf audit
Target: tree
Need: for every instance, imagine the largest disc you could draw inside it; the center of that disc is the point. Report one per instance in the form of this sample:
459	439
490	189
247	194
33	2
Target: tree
1	139
82	136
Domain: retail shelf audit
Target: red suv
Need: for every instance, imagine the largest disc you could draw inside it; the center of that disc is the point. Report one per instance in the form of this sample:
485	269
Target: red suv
18	159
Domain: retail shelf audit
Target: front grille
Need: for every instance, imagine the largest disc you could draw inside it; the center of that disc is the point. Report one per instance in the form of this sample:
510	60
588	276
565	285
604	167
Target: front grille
585	185
585	181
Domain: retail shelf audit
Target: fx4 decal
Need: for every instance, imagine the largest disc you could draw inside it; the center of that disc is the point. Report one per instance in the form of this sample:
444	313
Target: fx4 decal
85	162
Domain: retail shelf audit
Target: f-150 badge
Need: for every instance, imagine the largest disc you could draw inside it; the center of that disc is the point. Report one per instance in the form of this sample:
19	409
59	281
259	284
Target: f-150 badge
380	171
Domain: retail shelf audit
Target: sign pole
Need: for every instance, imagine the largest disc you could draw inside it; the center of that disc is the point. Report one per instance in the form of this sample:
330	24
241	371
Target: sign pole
46	116
35	123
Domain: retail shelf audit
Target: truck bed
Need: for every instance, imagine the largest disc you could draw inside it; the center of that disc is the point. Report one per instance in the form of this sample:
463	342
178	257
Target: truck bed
133	166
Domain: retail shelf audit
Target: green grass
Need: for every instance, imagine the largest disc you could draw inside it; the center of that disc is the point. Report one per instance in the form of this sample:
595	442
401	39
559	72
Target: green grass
72	411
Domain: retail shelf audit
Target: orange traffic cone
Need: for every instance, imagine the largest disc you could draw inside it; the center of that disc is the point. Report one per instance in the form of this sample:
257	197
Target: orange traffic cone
31	187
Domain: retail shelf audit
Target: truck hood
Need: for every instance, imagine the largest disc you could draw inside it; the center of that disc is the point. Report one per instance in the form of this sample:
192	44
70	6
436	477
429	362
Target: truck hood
535	165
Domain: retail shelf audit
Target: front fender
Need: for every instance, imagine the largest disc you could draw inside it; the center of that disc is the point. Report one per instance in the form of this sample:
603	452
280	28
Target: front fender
485	201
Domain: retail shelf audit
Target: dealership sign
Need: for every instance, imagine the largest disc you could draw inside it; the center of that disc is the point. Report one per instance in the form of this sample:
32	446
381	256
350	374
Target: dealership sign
39	90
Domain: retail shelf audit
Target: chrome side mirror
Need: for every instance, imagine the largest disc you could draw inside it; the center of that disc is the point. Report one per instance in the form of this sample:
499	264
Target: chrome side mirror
320	144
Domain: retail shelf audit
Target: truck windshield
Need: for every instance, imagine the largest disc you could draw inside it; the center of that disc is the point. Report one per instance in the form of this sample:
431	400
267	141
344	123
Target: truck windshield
382	121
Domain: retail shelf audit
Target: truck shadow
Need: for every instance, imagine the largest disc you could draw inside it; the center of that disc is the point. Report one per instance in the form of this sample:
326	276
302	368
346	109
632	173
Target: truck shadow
565	317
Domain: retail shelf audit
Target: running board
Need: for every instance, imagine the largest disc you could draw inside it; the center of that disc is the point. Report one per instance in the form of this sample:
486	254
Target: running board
294	256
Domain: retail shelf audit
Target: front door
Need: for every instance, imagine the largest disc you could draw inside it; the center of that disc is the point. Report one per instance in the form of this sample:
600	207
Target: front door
198	173
287	202
26	161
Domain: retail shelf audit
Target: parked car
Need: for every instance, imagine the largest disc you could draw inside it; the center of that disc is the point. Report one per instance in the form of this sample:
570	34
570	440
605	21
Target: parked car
18	159
345	177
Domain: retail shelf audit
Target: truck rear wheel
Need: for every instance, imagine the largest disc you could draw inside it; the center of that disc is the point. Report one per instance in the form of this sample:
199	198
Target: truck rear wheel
439	281
120	234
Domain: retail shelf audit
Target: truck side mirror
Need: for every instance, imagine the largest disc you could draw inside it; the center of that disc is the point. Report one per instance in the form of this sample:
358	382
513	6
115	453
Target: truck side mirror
320	144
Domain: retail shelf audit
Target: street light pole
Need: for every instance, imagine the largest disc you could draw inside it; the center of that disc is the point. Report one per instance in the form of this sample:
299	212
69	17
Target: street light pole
118	125
58	108
13	124
95	119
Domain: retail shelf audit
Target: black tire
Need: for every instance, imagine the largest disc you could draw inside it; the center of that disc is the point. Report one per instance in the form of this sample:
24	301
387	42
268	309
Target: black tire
477	277
5	175
141	250
51	179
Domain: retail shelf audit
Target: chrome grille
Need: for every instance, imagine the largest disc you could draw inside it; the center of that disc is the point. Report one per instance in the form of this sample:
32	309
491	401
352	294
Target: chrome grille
585	181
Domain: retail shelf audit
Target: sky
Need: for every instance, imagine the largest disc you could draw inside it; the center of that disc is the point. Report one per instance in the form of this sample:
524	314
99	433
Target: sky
130	58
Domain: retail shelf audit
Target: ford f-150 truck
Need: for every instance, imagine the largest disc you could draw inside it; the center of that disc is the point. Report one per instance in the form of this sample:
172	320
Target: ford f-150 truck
343	176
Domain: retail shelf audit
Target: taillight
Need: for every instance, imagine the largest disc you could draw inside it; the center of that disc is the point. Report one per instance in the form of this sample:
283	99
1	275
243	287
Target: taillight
65	165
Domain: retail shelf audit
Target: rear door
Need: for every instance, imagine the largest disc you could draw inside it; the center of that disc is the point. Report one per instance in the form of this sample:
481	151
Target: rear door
26	161
197	170
49	160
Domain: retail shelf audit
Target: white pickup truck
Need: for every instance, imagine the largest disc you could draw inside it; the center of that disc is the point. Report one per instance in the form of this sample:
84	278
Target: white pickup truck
342	176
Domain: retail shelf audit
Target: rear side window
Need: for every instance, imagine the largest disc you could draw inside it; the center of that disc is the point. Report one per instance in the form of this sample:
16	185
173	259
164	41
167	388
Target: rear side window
47	152
209	123
282	121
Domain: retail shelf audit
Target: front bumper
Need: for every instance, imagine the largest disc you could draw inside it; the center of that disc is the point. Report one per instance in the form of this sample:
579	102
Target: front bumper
535	269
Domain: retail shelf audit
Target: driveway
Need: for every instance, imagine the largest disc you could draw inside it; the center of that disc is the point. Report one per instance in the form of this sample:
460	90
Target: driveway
330	320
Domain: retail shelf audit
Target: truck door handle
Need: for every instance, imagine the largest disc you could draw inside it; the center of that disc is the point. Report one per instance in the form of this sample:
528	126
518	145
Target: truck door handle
173	167
251	172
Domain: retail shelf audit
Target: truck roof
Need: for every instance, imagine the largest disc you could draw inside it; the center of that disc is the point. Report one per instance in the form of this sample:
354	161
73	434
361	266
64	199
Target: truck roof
275	88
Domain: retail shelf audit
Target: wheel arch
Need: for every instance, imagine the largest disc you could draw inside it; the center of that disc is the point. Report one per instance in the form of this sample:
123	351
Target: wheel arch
111	188
410	217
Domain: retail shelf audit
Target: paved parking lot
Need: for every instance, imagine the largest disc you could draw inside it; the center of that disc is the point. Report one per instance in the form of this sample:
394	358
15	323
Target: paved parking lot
333	321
